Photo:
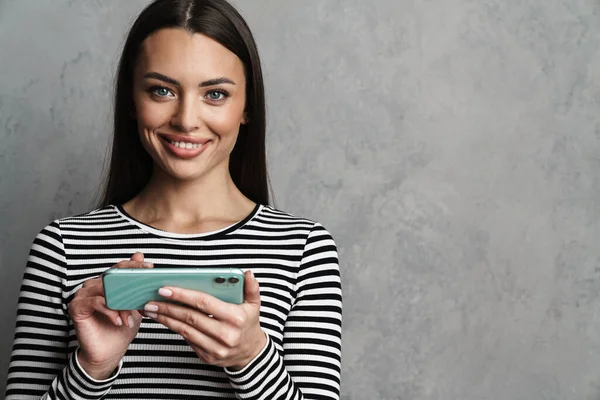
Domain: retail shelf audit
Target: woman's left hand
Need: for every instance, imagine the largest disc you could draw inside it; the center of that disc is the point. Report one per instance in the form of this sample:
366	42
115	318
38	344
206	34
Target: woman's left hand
231	338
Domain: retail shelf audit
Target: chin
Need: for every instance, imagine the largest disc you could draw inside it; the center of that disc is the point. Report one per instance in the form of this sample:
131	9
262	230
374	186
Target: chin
185	176
191	171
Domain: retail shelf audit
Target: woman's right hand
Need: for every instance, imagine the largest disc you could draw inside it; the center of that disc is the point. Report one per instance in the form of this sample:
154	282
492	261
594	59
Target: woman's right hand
103	334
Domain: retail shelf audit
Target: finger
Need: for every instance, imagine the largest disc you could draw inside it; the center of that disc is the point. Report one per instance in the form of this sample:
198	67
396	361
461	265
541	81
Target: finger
137	317
91	282
91	287
198	300
136	261
133	264
82	308
137	256
251	289
127	318
187	315
131	319
193	336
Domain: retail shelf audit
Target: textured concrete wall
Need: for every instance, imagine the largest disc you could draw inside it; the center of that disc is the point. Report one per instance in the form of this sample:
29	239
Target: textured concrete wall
451	146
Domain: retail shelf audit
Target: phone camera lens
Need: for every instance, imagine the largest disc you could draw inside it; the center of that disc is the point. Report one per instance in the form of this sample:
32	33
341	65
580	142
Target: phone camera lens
220	280
233	280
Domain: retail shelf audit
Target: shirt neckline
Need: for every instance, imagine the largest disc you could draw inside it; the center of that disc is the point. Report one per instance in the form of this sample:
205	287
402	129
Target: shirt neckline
172	235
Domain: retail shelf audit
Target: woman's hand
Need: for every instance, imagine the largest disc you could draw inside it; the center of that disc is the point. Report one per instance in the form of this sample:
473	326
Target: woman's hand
103	334
222	334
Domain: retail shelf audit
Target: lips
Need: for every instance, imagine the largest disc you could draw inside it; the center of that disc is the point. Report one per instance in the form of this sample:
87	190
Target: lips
183	138
185	147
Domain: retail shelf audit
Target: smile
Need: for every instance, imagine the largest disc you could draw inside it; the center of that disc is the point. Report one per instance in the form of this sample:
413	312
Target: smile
185	148
186	145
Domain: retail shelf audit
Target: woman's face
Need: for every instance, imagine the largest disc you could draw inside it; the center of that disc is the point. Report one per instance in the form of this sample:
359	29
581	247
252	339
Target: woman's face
189	95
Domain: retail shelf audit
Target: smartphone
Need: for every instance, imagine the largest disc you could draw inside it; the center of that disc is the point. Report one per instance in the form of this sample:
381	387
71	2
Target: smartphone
132	288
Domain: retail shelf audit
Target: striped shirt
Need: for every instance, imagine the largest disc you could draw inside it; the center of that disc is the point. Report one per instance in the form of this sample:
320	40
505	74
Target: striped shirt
294	260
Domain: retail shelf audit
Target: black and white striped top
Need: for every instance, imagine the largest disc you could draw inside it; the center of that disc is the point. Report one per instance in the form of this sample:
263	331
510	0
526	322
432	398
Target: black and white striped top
295	261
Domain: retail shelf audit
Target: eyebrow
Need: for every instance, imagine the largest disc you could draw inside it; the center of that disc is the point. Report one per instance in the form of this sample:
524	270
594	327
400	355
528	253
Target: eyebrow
210	82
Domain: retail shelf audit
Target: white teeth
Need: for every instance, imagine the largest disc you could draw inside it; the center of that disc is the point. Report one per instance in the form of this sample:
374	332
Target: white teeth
184	145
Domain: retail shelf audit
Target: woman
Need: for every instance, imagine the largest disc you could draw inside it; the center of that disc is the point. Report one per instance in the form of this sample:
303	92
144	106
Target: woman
187	186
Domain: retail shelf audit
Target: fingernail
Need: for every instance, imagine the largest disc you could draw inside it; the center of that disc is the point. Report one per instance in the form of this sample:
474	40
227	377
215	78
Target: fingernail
251	274
151	307
151	315
165	292
119	321
130	321
147	265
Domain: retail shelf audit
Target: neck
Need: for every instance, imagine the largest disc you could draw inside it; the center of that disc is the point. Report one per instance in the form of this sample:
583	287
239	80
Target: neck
213	197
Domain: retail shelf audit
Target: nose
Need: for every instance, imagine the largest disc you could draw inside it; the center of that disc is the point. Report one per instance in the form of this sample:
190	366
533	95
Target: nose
186	116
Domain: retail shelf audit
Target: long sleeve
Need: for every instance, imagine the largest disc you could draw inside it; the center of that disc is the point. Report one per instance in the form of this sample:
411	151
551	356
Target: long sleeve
41	364
309	364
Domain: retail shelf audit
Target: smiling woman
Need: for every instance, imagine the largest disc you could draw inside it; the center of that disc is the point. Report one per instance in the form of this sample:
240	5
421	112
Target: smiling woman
187	187
189	96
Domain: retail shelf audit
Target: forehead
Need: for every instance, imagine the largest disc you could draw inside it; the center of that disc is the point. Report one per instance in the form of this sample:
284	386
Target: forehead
187	56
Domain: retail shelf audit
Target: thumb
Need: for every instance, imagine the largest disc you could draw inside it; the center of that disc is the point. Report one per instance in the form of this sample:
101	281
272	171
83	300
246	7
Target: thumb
137	256
251	289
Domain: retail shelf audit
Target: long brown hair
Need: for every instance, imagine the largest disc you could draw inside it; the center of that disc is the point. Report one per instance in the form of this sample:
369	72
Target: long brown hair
130	166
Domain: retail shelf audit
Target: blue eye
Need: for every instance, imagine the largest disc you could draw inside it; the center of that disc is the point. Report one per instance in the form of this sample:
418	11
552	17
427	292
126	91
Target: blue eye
217	95
160	91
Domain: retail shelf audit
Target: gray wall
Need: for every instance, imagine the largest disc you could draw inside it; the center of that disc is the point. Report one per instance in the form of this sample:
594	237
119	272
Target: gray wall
451	146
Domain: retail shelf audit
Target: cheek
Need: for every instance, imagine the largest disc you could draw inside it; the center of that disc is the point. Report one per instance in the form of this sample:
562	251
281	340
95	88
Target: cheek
152	115
224	120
